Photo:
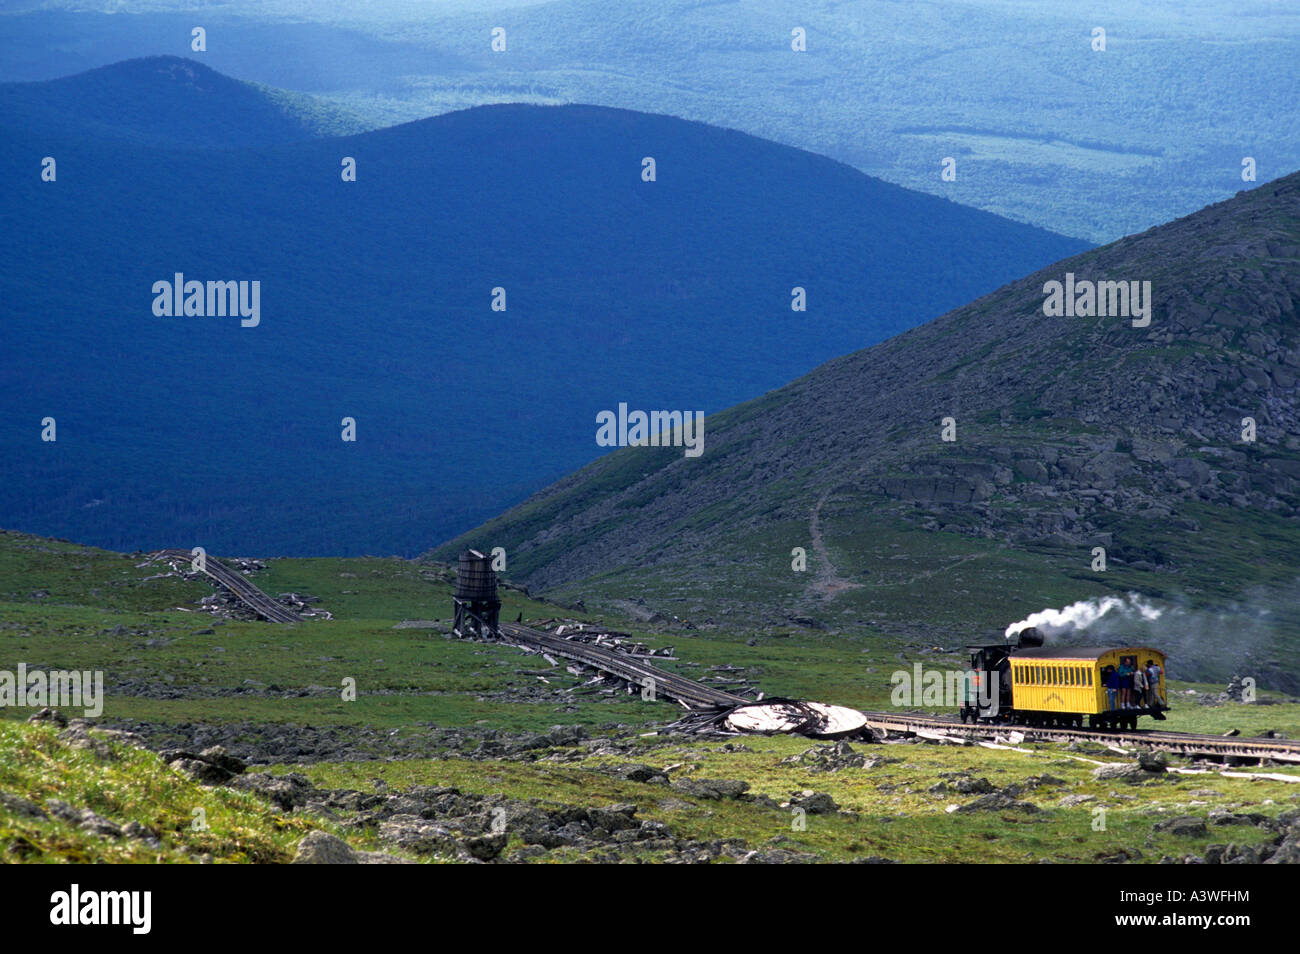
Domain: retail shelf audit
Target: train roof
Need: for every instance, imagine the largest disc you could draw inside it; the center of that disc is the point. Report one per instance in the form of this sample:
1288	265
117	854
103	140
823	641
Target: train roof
1079	652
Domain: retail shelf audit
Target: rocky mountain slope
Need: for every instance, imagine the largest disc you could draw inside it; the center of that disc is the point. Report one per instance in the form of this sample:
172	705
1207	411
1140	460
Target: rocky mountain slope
1071	433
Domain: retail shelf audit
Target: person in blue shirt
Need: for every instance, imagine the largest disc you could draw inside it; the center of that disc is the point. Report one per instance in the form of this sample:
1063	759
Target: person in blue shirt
1110	679
1125	683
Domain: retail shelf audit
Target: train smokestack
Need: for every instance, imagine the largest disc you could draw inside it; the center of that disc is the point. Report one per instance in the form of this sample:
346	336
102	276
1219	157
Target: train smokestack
1029	638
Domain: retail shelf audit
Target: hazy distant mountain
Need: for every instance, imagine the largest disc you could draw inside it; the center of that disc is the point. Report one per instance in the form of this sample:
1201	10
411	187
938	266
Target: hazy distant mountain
1044	128
376	304
167	100
1070	433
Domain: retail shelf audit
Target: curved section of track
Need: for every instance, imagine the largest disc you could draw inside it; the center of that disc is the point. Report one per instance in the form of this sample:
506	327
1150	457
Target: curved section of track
239	585
699	697
669	685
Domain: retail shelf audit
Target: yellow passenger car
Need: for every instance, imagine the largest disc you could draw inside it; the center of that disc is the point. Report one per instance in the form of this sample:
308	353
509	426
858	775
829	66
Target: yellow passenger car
1060	685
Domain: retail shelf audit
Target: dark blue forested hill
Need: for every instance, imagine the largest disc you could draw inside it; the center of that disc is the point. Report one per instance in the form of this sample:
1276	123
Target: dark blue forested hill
169	101
375	304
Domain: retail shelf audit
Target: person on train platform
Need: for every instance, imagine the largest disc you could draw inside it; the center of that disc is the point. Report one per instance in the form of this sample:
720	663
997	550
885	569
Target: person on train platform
1126	681
1139	688
1153	681
1110	679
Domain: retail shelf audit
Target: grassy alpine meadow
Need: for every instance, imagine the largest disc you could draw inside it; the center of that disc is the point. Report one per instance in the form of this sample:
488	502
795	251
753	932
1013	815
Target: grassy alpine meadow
178	820
440	734
902	809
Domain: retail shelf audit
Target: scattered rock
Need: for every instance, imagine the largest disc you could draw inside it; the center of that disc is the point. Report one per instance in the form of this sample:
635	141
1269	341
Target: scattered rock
21	806
48	715
1126	771
711	788
814	803
322	848
1185	826
205	773
1154	762
998	801
286	791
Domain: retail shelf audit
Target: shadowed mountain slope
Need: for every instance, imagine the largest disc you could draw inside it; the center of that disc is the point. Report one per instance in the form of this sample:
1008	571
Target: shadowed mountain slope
376	304
1071	433
168	101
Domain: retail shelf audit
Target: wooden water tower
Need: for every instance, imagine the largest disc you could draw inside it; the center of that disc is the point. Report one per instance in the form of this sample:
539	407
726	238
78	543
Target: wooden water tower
477	609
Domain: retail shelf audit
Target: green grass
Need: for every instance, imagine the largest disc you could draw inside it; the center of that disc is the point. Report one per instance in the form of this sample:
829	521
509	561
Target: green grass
133	785
413	681
893	813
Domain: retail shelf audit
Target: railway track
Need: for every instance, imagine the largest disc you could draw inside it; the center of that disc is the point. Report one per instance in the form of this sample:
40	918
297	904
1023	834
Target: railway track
669	685
1180	743
239	586
696	696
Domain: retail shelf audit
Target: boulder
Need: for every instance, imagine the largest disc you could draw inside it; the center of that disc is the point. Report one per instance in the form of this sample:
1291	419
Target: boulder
711	788
322	848
21	807
998	801
1185	826
218	756
1127	771
1154	762
486	847
48	715
286	791
205	773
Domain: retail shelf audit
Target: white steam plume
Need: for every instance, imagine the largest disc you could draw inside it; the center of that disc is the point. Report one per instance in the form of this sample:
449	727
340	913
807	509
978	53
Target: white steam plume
1256	634
1081	615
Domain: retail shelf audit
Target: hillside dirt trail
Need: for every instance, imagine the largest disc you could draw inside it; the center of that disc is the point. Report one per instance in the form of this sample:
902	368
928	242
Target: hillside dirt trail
828	582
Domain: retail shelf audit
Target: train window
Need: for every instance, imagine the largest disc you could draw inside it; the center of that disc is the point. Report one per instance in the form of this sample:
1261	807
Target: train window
1090	678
